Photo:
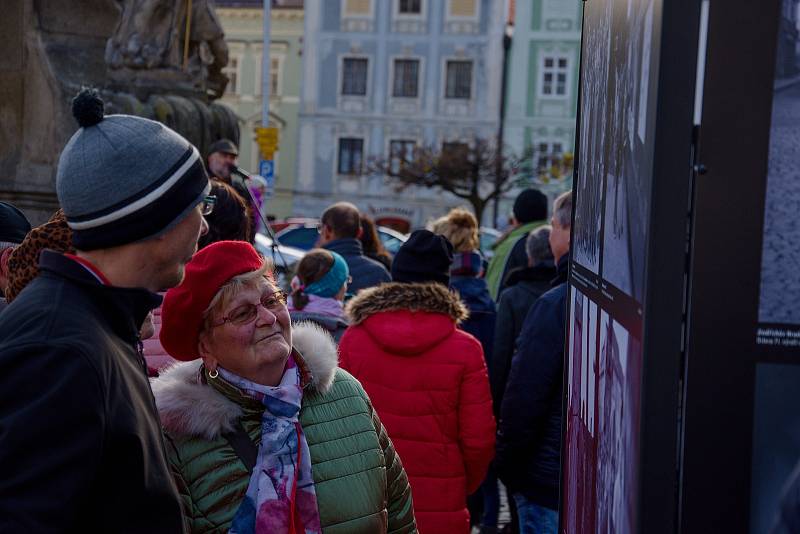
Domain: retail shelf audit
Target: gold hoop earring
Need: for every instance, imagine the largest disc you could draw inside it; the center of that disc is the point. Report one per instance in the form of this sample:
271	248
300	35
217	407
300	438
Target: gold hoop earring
213	374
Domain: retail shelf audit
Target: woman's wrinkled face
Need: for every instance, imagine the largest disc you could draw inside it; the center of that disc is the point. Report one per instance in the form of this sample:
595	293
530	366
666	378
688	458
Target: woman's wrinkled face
256	349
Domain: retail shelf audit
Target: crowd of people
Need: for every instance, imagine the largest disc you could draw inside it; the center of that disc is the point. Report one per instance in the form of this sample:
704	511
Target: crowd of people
159	379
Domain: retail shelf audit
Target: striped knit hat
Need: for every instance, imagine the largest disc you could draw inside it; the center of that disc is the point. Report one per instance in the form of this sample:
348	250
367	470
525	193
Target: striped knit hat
123	179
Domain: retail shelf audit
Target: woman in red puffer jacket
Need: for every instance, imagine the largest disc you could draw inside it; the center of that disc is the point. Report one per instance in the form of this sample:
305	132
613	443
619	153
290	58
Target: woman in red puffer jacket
427	380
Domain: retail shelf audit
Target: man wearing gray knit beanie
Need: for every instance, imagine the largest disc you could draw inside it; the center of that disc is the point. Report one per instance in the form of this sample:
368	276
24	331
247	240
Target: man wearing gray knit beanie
82	443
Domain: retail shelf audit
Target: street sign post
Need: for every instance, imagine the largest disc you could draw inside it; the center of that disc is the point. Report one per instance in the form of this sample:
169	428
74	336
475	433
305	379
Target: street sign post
266	168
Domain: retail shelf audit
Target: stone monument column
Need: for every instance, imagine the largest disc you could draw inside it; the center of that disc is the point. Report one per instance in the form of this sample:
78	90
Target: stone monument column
51	48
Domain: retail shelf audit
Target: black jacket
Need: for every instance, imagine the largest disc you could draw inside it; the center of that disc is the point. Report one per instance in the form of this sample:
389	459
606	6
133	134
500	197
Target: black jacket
524	286
517	259
482	312
529	433
335	326
364	271
80	438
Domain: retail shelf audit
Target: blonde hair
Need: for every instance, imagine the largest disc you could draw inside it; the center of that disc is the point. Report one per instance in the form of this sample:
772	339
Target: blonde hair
460	227
233	287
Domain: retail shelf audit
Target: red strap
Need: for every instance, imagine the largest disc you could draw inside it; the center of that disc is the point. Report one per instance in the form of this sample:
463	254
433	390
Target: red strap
296	523
91	268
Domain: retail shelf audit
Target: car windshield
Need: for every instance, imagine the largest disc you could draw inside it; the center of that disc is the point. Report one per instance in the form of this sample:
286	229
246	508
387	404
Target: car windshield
302	237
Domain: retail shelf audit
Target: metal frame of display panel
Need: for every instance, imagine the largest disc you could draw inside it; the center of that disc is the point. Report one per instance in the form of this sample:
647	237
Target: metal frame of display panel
726	265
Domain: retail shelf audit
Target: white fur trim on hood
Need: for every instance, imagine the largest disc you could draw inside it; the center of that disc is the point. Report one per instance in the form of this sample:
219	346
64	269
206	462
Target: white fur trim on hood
188	407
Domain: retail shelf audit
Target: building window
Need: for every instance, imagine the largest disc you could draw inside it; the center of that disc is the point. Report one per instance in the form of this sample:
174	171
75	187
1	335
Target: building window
406	78
463	8
400	152
554	76
351	153
354	76
274	76
547	155
231	70
459	79
358	8
455	150
409	7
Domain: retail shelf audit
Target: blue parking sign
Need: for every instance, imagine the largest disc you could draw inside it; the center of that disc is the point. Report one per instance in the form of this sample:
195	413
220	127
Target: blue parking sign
266	168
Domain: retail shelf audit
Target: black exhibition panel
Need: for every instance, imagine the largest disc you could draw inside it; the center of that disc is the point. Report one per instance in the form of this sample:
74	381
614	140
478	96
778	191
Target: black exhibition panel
741	426
626	304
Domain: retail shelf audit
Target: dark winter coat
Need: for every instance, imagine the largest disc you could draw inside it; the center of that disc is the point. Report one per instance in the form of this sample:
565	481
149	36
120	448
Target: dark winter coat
524	286
384	259
529	434
335	326
82	447
428	382
482	313
364	271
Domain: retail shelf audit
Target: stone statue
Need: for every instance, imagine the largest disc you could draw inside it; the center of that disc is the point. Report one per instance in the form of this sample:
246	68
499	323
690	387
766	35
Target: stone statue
149	48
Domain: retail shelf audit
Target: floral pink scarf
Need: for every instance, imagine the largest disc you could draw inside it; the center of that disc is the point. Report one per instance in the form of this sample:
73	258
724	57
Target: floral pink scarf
280	498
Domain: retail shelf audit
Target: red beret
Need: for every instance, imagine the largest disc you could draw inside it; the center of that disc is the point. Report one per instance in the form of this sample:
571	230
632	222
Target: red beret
209	270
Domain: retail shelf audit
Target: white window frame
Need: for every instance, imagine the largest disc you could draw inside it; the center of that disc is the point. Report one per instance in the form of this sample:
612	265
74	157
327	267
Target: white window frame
408	16
347	15
364	146
397	139
445	61
235	51
475	18
340	80
259	55
555	70
420	77
538	154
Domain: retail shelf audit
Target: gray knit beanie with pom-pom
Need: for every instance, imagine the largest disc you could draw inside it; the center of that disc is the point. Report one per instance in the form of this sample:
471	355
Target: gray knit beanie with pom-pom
123	179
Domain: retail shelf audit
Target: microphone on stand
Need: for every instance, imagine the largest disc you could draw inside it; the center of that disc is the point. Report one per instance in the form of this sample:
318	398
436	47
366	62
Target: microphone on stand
254	179
238	171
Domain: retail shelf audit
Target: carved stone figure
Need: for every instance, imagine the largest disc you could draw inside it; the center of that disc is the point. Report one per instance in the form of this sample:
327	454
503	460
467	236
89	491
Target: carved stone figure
149	47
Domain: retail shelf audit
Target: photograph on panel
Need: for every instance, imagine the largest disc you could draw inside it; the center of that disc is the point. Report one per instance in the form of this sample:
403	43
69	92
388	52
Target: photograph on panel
775	484
580	446
780	286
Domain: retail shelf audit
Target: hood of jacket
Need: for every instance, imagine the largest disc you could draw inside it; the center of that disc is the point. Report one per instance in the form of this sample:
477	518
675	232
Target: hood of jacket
407	319
474	292
188	407
543	272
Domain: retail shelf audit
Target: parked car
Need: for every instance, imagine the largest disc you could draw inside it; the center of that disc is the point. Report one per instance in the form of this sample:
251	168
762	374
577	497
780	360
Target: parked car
284	258
304	236
488	236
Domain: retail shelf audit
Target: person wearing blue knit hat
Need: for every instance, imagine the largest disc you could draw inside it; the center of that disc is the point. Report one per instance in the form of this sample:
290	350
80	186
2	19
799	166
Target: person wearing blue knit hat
81	437
319	289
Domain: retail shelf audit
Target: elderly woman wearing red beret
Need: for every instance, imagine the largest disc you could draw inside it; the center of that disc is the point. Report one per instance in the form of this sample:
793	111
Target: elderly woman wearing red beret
264	432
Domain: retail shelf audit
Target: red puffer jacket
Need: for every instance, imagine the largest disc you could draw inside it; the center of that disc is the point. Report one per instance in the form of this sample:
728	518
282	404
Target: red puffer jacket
428	382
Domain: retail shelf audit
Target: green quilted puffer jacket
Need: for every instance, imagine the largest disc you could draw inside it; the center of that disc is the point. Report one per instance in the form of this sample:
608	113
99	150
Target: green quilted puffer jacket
360	482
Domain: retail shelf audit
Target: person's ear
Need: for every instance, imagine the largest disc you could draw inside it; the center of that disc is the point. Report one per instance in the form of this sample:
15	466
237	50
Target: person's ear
204	349
359	233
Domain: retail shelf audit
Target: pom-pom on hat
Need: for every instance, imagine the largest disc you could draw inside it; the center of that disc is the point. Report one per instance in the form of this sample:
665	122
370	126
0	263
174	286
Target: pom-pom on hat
122	179
184	305
425	257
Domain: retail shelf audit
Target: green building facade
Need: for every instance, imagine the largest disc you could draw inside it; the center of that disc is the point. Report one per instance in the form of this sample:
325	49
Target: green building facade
243	25
542	90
